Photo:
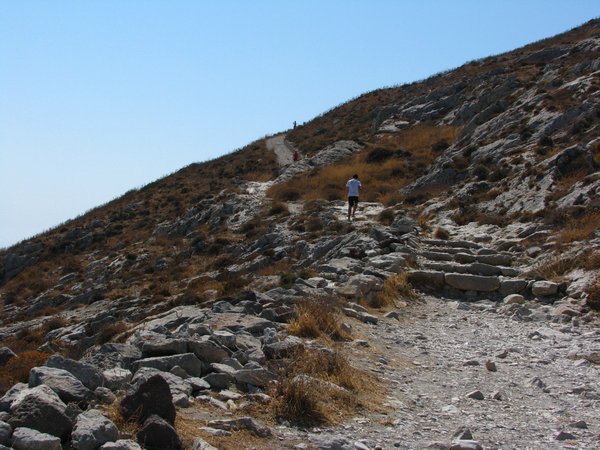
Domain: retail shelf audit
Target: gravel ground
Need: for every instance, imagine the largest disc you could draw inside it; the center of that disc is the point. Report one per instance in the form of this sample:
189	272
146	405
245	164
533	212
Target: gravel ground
537	386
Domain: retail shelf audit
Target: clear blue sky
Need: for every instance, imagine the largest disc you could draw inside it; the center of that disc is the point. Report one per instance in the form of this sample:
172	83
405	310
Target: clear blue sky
99	97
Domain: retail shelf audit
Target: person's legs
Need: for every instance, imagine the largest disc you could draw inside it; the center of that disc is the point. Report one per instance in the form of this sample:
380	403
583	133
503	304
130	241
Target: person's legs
349	207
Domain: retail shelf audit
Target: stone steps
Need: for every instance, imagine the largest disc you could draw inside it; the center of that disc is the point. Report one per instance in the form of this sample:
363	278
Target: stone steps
467	267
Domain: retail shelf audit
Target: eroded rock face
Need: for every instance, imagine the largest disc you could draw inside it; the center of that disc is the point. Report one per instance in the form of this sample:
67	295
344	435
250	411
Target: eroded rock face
158	434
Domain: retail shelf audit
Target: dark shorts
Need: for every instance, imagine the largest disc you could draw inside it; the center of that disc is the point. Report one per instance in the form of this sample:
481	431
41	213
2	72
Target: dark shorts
352	201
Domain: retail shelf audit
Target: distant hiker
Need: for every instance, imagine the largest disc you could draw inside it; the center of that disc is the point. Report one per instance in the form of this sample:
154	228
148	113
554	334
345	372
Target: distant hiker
353	186
294	124
296	155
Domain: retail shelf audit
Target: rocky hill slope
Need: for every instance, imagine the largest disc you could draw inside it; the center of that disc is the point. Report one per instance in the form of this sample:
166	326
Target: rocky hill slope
457	309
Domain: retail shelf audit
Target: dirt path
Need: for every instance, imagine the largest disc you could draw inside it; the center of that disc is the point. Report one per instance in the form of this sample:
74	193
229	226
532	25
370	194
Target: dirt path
278	145
436	354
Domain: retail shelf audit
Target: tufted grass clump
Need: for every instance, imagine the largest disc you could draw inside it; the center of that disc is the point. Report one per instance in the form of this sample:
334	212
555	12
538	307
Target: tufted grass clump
318	317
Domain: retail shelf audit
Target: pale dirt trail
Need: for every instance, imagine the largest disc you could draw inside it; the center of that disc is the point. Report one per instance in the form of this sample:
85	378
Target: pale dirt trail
281	149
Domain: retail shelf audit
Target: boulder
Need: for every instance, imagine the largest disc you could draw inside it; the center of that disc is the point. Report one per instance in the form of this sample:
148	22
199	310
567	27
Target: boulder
117	379
187	361
544	288
260	376
30	439
242	423
467	282
5	355
283	349
158	434
151	397
92	430
163	346
180	389
89	376
66	386
512	286
207	350
11	395
41	409
5	433
219	381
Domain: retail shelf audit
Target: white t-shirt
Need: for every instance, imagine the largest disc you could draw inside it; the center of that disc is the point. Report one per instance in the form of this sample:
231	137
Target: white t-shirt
353	186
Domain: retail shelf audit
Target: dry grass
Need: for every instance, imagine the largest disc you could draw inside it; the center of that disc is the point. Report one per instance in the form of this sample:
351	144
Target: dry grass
113	412
557	267
579	229
395	288
319	386
318	317
385	165
16	370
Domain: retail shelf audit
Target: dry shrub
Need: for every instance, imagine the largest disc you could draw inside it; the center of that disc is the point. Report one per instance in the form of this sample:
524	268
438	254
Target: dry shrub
298	402
318	385
441	233
281	266
593	300
16	370
394	288
557	267
318	317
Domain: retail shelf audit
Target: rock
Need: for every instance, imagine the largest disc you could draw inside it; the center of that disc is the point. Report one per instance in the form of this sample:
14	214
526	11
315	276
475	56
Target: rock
151	397
30	439
581	424
11	395
187	361
392	315
491	366
163	346
201	444
330	442
41	409
476	395
362	316
466	445
124	354
242	423
514	299
89	376
105	395
92	430
121	444
467	282
564	436
158	434
5	433
259	377
544	288
283	349
219	381
117	379
208	350
463	434
5	355
68	388
512	286
428	279
497	395
565	310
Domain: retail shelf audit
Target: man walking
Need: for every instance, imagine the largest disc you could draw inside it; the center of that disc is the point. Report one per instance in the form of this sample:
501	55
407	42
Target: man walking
353	186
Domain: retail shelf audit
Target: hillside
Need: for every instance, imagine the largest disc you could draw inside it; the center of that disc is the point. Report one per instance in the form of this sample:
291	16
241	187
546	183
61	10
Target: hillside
480	197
